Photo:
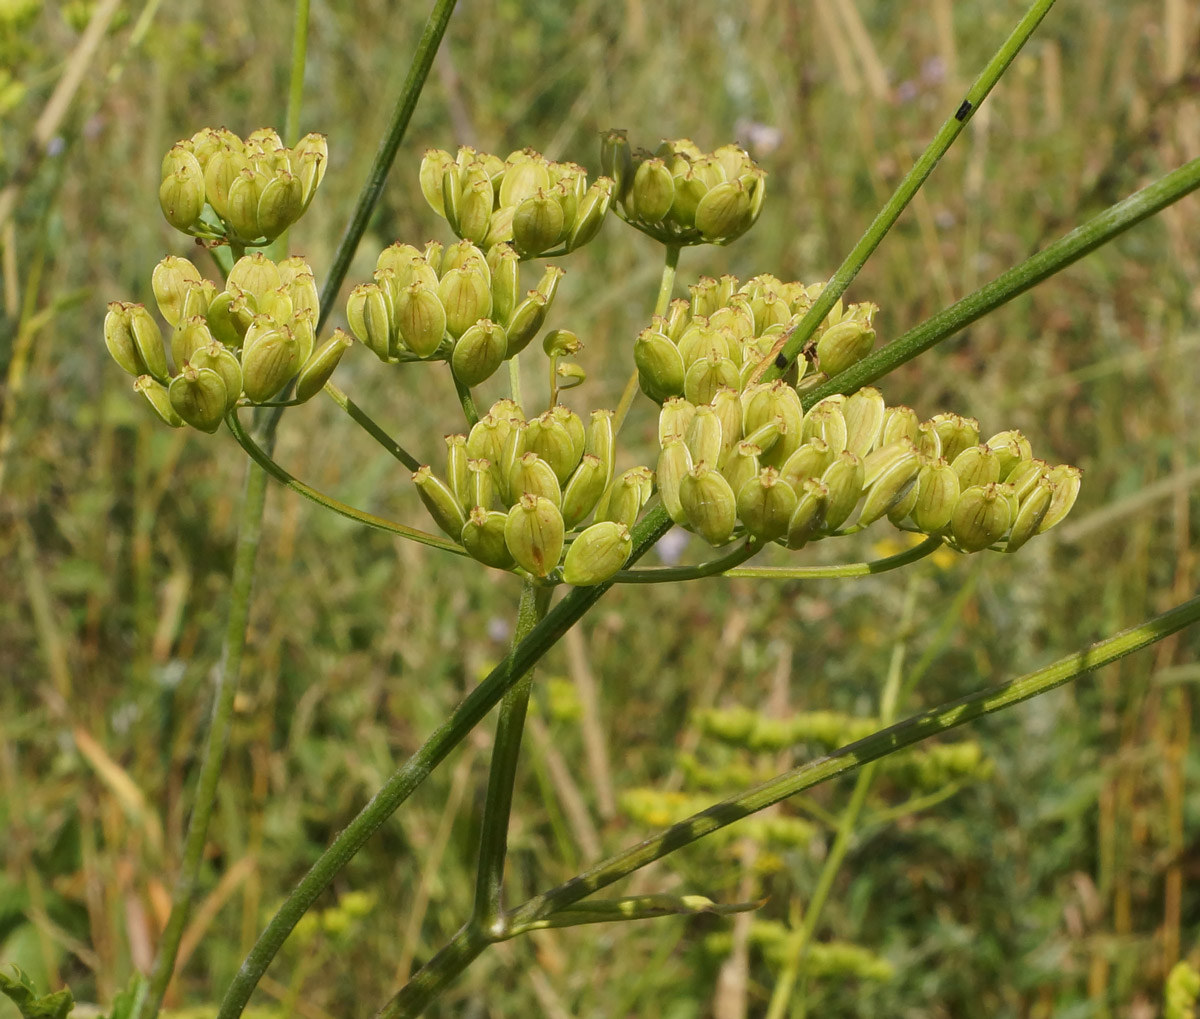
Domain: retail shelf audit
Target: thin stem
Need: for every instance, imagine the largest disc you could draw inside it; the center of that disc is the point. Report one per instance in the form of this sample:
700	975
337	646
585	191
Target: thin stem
264	460
493	847
241	588
1063	252
254	496
400	786
436	975
467	401
915	805
894	562
291	123
640	907
514	380
371	427
291	120
879	744
847	824
666	287
674	574
904	192
414	83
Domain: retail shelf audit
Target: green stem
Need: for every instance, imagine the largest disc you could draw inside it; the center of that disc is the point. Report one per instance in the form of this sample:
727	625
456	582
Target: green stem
414	83
908	187
264	460
727	567
254	496
1063	252
467	401
278	248
674	574
400	786
510	728
915	805
879	744
666	287
514	380
418	71
436	975
369	425
893	562
291	123
241	587
798	946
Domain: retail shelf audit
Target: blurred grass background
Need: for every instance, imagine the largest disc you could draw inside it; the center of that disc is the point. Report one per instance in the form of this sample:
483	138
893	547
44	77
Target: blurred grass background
1058	879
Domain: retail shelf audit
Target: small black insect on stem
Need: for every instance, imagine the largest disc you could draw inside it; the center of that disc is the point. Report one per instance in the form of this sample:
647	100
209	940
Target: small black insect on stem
963	110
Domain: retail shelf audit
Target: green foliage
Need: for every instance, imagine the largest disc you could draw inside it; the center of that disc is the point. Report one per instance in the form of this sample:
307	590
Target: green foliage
20	991
1042	887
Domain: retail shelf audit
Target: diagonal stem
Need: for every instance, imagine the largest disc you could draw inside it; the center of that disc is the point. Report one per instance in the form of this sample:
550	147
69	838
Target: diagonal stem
240	591
414	84
908	187
264	460
1054	258
408	777
368	424
877	745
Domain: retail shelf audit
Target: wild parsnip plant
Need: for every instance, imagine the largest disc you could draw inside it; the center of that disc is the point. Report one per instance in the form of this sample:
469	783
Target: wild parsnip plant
769	434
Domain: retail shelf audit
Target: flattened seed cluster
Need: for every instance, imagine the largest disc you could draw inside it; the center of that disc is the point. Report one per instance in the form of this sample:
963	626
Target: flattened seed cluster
539	206
752	462
215	185
246	341
453	303
679	195
550	474
722	335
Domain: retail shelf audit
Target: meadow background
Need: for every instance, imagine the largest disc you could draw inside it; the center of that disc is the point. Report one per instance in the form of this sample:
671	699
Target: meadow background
1053	875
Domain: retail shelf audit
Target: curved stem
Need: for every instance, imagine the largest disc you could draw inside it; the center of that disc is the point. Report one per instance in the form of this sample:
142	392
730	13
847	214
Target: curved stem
666	287
674	574
263	459
1057	256
493	844
240	591
879	744
369	425
407	778
904	192
894	562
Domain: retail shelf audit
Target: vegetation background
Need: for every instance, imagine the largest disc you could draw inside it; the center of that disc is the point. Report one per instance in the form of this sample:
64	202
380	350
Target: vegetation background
1057	879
